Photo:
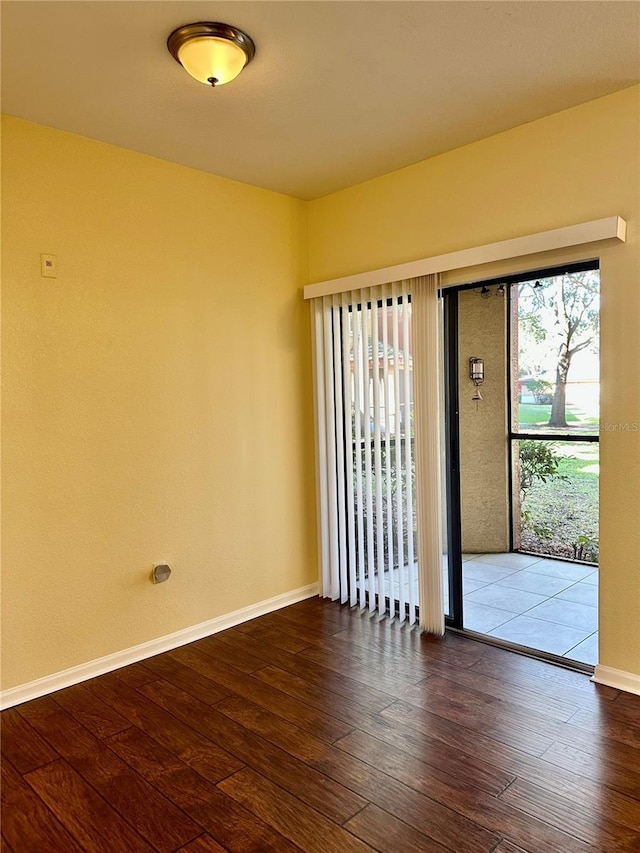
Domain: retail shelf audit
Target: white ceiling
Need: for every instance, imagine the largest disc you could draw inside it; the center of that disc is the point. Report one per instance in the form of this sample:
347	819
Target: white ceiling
338	92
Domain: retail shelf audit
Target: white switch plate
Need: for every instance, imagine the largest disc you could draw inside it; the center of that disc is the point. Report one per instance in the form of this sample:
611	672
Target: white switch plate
49	266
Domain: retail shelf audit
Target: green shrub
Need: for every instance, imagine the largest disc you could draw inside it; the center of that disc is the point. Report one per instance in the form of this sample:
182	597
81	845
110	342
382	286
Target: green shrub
542	390
538	462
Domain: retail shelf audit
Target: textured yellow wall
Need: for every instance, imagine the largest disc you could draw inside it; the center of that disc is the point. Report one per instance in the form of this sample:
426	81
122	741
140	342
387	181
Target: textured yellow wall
156	399
484	467
571	167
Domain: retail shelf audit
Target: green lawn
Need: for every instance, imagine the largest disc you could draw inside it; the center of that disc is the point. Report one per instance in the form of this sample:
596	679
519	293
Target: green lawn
531	413
566	506
537	416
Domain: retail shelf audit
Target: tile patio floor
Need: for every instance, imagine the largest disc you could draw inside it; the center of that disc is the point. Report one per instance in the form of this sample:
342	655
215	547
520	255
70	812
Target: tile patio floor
543	604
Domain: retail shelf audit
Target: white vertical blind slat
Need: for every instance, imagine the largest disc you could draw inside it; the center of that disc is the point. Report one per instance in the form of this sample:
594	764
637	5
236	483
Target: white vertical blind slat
332	473
356	321
402	602
340	448
408	452
368	497
319	398
387	474
377	449
348	456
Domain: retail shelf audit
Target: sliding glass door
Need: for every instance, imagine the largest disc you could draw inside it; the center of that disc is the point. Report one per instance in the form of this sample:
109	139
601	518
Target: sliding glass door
521	405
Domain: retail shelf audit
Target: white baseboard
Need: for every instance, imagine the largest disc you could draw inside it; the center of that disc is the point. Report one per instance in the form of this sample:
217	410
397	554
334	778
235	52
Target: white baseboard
84	671
617	678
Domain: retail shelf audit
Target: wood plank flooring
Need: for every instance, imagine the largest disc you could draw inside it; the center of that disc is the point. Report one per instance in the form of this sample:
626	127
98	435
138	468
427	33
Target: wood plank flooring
320	728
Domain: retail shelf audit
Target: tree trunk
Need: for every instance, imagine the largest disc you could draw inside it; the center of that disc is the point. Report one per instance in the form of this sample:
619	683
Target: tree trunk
558	416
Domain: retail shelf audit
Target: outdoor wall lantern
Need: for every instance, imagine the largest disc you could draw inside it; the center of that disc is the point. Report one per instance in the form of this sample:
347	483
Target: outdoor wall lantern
476	375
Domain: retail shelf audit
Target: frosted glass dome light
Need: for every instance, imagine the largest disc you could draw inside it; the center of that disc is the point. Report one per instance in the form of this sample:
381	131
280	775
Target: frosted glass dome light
212	53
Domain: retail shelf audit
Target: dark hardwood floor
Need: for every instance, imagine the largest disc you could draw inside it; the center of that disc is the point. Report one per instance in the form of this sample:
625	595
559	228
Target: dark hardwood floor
320	728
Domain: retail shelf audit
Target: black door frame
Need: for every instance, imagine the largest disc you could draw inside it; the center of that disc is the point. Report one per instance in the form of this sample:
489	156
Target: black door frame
454	618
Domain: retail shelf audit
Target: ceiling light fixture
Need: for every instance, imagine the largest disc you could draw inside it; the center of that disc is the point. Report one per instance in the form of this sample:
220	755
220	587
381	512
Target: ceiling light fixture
210	52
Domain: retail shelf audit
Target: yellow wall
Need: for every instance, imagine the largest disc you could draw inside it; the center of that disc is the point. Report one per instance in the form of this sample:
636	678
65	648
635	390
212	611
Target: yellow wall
156	399
571	167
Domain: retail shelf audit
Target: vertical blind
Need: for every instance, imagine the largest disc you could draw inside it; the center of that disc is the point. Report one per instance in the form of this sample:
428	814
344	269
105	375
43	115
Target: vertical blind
370	415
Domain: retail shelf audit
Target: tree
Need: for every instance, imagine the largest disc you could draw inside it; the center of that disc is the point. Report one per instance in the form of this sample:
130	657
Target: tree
572	300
